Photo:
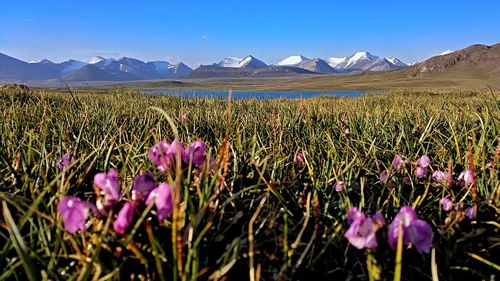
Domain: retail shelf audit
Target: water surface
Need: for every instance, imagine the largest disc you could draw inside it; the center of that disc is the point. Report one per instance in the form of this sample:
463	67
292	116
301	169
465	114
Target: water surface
254	94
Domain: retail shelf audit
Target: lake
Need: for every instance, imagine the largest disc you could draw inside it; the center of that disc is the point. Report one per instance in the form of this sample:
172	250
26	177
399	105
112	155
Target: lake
255	94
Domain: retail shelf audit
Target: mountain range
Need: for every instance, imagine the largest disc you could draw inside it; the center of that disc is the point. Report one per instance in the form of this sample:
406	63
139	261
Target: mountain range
131	69
94	69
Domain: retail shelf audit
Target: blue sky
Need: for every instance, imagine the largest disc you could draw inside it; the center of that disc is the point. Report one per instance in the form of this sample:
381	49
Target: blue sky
203	32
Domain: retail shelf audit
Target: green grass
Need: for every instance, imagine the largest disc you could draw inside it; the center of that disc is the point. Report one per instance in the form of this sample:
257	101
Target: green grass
260	214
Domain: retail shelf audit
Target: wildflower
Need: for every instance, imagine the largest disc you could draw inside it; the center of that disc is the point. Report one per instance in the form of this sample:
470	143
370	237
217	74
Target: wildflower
347	131
471	213
163	154
143	185
185	117
422	164
109	184
353	214
195	153
65	161
466	176
383	176
339	186
398	163
124	218
162	198
157	154
415	231
439	176
421	172
300	157
423	161
446	203
362	233
74	213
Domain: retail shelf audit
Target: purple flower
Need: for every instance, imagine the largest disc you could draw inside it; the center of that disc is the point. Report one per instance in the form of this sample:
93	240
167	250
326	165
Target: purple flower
110	185
398	163
124	218
300	157
439	176
362	233
143	185
421	172
471	213
353	214
195	153
383	176
423	161
162	198
415	231
157	154
466	176
339	186
65	161
446	203
74	213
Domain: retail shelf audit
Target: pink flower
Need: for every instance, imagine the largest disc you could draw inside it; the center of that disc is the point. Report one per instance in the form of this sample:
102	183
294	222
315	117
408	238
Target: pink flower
74	213
162	198
471	213
423	161
440	176
195	153
383	176
353	214
362	233
163	155
66	160
124	218
143	185
446	203
398	163
300	157
415	231
421	172
110	185
339	186
466	176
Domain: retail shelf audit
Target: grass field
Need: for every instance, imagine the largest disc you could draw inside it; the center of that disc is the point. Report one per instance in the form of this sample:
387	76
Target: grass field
272	207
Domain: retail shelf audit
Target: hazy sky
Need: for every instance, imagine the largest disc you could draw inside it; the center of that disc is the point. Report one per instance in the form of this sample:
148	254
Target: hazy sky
203	32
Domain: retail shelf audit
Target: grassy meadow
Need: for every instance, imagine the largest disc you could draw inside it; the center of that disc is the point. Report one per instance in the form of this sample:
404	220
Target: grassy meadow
270	209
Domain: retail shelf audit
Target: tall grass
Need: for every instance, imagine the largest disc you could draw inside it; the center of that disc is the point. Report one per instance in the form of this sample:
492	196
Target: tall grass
260	216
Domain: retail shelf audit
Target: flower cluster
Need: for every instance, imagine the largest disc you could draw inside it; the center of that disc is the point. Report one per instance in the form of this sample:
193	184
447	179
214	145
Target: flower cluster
164	155
362	231
75	212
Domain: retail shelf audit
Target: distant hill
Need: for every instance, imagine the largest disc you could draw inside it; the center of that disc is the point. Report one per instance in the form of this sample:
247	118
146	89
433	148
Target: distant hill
481	59
91	73
214	71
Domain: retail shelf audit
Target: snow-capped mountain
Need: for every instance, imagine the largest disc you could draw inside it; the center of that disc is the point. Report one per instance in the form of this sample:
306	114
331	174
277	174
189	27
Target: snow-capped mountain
316	65
246	62
251	62
292	60
334	62
230	62
365	61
